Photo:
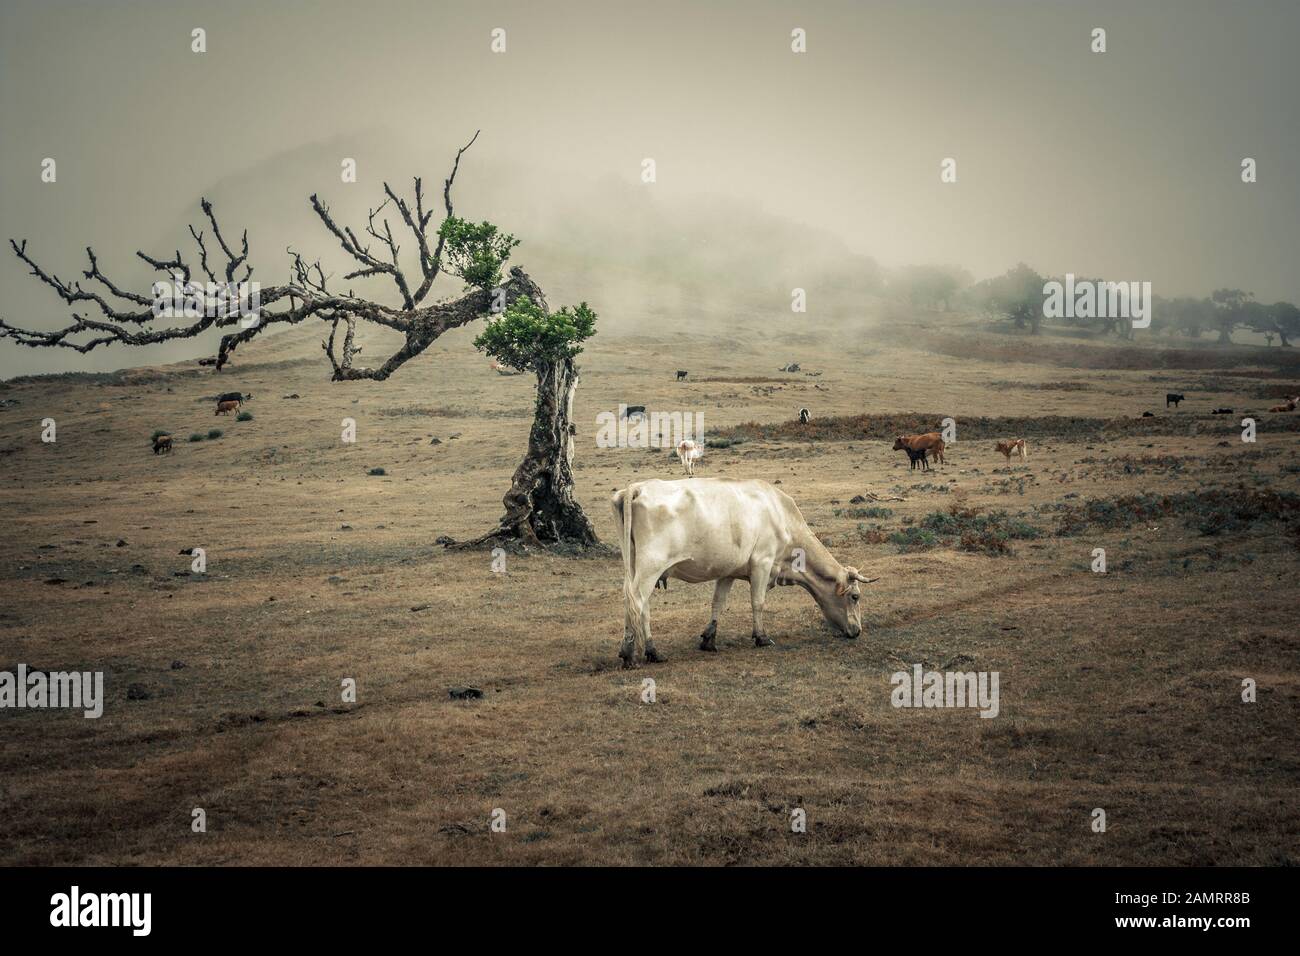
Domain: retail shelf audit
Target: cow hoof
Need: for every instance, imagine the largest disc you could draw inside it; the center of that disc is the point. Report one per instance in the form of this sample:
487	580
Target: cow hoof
654	657
761	641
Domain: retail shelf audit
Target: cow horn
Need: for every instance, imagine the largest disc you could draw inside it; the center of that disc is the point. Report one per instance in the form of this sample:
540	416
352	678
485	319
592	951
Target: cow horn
858	576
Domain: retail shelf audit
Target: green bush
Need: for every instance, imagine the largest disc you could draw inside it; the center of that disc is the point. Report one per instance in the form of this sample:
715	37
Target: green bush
913	539
197	436
215	433
244	417
156	433
1211	511
376	471
864	512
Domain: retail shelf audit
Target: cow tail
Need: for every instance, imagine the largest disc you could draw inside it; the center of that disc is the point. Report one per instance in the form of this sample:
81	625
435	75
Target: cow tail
622	503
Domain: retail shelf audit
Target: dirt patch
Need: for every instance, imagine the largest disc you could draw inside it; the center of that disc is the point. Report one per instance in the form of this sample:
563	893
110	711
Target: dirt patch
886	427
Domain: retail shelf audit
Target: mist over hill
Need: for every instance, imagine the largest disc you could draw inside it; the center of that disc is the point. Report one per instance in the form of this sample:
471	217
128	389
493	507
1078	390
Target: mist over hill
646	256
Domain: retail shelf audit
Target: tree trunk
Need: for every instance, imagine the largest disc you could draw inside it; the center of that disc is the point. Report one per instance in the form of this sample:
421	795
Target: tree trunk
540	508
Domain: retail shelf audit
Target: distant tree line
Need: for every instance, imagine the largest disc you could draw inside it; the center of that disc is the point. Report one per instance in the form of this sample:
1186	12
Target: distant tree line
1017	295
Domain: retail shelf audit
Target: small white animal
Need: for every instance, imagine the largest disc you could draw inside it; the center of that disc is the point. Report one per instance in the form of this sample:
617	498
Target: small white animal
689	452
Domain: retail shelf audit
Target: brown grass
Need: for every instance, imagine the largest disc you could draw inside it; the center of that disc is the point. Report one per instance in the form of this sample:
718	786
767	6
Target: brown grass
1119	690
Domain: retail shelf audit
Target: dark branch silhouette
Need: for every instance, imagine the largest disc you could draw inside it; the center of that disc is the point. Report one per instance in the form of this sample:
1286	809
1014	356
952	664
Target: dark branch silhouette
103	312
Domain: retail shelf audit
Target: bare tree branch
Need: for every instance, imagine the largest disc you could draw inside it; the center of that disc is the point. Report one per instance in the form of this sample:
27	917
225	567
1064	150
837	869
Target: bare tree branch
306	295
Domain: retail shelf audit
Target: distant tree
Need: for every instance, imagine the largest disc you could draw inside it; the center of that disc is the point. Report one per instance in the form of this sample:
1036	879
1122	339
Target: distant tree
928	286
1017	294
1281	319
1230	311
540	506
1185	315
1286	319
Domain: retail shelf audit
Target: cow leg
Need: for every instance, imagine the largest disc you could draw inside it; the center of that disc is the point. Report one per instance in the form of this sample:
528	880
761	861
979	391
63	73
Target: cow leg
652	655
636	625
759	576
627	650
720	592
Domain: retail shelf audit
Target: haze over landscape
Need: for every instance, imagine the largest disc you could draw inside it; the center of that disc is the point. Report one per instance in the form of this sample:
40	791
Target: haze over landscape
774	170
354	604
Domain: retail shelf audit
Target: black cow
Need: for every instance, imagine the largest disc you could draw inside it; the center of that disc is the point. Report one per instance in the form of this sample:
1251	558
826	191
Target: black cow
917	456
1172	397
681	374
633	411
804	416
1222	411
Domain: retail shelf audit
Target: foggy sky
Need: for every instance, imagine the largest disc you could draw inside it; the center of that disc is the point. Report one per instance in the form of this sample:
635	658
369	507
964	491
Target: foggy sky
1123	165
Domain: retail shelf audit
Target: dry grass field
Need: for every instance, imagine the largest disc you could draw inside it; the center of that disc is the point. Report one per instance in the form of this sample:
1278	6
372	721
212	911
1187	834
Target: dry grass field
1120	691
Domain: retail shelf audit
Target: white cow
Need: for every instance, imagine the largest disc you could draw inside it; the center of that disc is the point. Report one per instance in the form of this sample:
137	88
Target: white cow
689	452
723	530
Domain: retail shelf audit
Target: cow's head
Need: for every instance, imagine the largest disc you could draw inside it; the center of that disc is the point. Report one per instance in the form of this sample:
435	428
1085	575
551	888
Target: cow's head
841	602
900	444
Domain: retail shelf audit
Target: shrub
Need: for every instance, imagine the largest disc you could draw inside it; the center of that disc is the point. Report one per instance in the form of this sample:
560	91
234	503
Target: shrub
1211	511
864	512
156	433
244	417
214	433
197	436
874	534
968	529
376	471
913	539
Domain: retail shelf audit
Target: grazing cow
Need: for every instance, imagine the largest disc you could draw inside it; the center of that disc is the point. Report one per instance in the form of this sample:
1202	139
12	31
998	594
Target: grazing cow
930	441
1013	446
689	452
804	416
1171	397
681	374
633	411
225	408
235	397
161	444
723	530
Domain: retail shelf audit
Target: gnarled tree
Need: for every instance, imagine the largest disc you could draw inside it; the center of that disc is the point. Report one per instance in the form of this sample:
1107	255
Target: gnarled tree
104	312
540	507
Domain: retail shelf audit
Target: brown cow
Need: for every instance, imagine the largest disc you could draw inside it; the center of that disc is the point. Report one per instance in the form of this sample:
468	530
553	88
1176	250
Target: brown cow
163	443
1288	407
1013	446
224	408
931	442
